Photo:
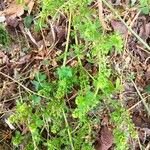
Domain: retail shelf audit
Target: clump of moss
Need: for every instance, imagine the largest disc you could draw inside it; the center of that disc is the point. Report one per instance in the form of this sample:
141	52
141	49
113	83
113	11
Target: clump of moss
4	36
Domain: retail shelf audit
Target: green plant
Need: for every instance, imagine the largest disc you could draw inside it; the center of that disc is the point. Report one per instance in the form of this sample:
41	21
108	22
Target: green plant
144	6
4	36
53	122
124	128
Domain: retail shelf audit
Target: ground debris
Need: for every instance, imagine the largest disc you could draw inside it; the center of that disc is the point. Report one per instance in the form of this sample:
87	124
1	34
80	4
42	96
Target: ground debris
118	26
105	139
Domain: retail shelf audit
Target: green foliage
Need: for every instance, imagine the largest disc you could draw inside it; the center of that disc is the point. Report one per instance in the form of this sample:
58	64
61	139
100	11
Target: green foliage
124	126
20	1
147	89
17	139
85	103
56	122
4	36
49	7
28	21
144	6
66	81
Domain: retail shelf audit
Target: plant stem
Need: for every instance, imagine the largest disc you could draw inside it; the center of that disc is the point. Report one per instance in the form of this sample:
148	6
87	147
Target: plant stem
67	42
24	87
69	133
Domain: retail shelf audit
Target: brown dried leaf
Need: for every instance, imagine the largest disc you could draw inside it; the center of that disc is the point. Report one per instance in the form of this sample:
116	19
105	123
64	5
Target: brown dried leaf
119	27
24	59
54	63
147	74
31	37
41	45
13	22
140	120
106	139
6	59
145	31
14	10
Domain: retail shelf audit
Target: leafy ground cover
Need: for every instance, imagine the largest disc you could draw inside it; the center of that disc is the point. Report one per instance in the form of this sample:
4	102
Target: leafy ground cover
74	75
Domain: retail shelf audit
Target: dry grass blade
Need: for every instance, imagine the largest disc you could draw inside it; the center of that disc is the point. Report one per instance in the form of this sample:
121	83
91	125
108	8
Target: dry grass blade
101	16
67	42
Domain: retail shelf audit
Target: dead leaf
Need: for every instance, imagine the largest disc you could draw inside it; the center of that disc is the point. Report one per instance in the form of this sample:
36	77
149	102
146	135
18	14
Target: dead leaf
140	120
119	27
139	79
41	45
9	124
6	59
24	59
106	139
101	15
116	2
2	54
13	22
54	63
147	74
145	31
74	63
31	37
14	10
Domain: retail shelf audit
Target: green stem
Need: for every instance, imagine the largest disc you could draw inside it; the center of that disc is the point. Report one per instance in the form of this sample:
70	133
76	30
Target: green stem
69	133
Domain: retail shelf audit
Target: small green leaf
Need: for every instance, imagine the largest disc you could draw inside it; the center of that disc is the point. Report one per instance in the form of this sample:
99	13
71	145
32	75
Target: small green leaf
64	72
17	139
40	77
147	89
28	21
36	99
145	10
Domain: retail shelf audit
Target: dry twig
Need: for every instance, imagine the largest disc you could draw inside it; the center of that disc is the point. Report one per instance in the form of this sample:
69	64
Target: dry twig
101	16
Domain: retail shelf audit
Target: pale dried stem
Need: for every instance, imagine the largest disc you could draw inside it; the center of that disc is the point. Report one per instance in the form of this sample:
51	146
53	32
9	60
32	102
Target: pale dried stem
101	16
